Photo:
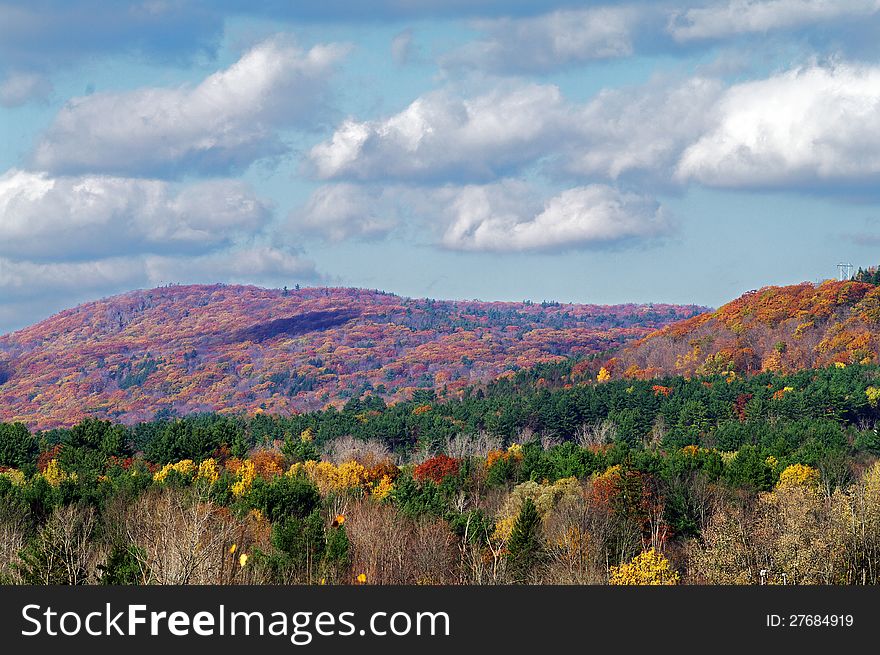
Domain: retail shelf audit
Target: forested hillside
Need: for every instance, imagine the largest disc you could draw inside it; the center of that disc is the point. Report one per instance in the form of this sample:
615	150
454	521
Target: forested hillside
232	349
780	329
518	464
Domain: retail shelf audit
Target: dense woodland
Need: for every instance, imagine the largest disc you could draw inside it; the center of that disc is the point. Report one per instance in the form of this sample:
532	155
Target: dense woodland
544	476
234	349
779	329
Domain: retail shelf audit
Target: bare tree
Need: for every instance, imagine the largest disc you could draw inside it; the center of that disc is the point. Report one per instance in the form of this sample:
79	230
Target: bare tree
432	552
63	552
595	434
13	538
525	436
655	437
182	538
572	553
390	548
472	445
368	452
549	440
474	562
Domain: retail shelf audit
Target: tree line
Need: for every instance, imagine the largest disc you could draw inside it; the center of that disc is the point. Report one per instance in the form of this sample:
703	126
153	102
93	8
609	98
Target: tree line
534	478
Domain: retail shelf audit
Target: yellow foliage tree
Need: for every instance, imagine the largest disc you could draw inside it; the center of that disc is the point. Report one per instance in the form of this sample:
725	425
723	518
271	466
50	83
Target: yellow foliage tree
330	478
350	475
798	475
873	394
604	375
184	467
15	476
545	496
54	474
208	471
383	488
609	474
246	474
648	568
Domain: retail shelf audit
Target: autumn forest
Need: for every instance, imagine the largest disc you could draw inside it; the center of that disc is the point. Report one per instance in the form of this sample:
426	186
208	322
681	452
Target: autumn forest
232	435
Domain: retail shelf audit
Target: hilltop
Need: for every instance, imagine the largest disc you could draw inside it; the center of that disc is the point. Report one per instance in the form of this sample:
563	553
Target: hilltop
780	329
223	348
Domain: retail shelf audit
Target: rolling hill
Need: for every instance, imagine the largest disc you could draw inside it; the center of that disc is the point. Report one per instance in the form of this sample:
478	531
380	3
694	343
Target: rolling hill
185	349
781	329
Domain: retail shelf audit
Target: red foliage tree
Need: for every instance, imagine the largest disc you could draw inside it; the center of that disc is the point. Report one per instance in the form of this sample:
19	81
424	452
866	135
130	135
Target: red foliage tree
437	468
47	456
739	406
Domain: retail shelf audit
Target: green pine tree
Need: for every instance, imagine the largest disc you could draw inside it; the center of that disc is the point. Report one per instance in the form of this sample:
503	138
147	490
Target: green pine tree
526	547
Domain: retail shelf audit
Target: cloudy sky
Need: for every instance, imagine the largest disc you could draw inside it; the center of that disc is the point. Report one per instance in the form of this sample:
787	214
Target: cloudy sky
575	151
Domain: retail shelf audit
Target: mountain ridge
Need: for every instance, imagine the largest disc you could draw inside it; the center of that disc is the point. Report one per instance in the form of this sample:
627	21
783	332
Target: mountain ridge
237	348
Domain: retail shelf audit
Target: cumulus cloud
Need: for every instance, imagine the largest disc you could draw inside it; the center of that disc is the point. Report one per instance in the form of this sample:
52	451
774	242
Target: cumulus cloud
818	125
758	16
498	218
19	88
811	126
336	212
544	43
642	129
441	136
504	216
92	216
224	123
444	138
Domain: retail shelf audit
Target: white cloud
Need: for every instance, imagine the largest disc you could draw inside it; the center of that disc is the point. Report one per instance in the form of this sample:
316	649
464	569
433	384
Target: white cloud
224	123
549	41
24	279
508	215
443	138
501	218
758	16
257	264
818	125
95	216
812	126
440	136
337	212
642	129
19	88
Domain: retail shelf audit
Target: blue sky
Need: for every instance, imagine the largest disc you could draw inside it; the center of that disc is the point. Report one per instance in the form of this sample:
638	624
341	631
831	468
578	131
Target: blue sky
575	151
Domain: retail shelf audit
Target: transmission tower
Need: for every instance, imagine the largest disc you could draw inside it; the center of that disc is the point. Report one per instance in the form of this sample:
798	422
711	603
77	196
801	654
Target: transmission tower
844	272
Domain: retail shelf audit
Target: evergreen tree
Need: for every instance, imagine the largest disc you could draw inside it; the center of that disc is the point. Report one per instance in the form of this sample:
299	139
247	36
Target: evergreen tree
18	448
526	546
